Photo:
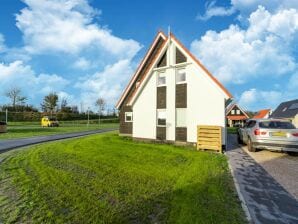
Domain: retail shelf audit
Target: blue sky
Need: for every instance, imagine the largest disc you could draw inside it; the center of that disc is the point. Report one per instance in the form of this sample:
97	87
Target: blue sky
88	49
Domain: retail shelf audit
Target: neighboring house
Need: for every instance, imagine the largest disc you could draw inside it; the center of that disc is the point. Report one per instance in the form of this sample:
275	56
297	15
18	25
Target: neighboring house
287	110
263	114
236	116
170	94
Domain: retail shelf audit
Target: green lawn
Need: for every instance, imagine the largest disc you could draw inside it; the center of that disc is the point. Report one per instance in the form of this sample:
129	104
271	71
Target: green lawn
29	129
110	179
232	130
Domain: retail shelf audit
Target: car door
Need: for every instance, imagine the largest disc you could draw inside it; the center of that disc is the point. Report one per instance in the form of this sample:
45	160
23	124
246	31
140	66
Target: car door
247	130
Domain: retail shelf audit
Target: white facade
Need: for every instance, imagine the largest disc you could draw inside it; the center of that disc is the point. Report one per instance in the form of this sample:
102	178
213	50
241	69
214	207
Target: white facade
205	100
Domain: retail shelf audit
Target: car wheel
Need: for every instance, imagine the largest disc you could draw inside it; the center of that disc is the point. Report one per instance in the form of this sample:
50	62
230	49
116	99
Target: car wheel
239	139
250	146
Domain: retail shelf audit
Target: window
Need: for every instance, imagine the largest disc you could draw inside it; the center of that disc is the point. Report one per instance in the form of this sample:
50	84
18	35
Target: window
294	106
276	125
233	112
128	116
251	124
238	112
180	76
181	117
161	117
161	79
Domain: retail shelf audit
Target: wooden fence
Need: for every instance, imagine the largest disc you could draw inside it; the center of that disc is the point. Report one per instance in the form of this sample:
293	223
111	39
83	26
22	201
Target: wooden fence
209	137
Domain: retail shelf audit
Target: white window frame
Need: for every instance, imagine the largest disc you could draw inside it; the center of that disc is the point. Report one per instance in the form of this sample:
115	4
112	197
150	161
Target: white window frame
178	72
131	115
161	74
238	112
157	112
233	112
185	118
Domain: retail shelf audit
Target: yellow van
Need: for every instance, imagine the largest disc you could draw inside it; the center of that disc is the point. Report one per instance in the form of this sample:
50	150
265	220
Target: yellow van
49	122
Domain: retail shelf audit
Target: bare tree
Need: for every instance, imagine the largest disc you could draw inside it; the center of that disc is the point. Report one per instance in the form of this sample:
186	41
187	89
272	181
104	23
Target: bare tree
100	103
15	95
50	102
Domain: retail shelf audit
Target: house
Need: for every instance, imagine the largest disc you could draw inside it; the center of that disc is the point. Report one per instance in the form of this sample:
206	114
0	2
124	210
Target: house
287	110
263	114
236	116
170	94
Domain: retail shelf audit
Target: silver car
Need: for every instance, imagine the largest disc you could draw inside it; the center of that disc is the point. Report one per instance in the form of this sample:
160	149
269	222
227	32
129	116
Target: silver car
271	134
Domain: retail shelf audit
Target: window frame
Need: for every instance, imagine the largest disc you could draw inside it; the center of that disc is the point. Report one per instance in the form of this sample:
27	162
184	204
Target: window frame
233	112
125	115
157	113
161	74
238	112
178	73
185	119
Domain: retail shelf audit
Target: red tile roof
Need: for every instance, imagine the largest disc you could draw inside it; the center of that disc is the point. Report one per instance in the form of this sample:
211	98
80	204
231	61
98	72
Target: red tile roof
261	114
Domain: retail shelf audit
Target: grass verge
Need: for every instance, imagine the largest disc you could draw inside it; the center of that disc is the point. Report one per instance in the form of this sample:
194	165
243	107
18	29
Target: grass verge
110	179
26	129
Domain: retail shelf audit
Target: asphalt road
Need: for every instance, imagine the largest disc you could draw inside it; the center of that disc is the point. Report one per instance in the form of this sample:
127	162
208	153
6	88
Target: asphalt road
7	145
266	200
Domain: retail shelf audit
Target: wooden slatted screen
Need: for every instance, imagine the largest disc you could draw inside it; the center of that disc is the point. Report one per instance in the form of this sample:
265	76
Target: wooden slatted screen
209	137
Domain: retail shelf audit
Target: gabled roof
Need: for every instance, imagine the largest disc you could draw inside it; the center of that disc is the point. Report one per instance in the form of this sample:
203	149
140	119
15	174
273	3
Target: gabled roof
131	83
287	109
231	106
130	92
262	114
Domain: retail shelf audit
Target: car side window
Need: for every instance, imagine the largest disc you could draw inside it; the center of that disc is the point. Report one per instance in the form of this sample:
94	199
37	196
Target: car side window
251	124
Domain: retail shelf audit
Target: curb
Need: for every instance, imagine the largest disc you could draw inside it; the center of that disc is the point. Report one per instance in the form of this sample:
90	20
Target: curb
243	203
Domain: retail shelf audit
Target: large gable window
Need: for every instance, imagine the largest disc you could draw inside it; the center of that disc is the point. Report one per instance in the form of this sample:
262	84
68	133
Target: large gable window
180	57
163	61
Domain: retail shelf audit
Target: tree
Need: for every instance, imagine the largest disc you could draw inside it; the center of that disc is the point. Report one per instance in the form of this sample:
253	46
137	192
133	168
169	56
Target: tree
15	95
101	103
49	103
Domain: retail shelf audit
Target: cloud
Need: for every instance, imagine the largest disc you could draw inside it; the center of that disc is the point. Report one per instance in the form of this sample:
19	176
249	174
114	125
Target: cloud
51	26
107	84
249	98
18	74
82	64
2	44
212	10
264	49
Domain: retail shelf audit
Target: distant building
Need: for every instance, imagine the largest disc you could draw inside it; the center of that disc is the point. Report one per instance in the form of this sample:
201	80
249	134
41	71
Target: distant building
236	116
263	114
287	110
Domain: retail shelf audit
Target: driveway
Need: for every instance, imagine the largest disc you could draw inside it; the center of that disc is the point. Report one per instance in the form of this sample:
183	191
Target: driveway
263	197
6	145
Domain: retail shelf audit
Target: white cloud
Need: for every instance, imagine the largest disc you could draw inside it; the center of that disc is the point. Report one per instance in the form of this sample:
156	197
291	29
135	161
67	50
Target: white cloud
249	98
237	55
18	74
68	27
82	64
212	10
107	84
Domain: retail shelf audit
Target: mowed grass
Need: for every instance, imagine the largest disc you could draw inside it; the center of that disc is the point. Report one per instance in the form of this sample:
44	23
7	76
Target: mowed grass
110	179
31	129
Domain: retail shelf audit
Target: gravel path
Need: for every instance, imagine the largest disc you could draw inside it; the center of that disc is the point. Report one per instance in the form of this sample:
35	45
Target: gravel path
282	167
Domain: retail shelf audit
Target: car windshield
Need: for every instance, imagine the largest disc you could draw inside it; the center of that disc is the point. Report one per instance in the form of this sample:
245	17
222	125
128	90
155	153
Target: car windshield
276	125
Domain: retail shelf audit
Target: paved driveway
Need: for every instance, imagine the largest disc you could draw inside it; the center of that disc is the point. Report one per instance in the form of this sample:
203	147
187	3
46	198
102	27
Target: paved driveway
267	200
282	167
6	145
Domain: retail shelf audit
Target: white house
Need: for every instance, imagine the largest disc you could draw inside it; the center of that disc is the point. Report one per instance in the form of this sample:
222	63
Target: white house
170	94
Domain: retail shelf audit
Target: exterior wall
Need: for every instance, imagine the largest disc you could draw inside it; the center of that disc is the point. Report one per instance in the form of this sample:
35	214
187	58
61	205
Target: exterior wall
295	121
144	111
205	103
